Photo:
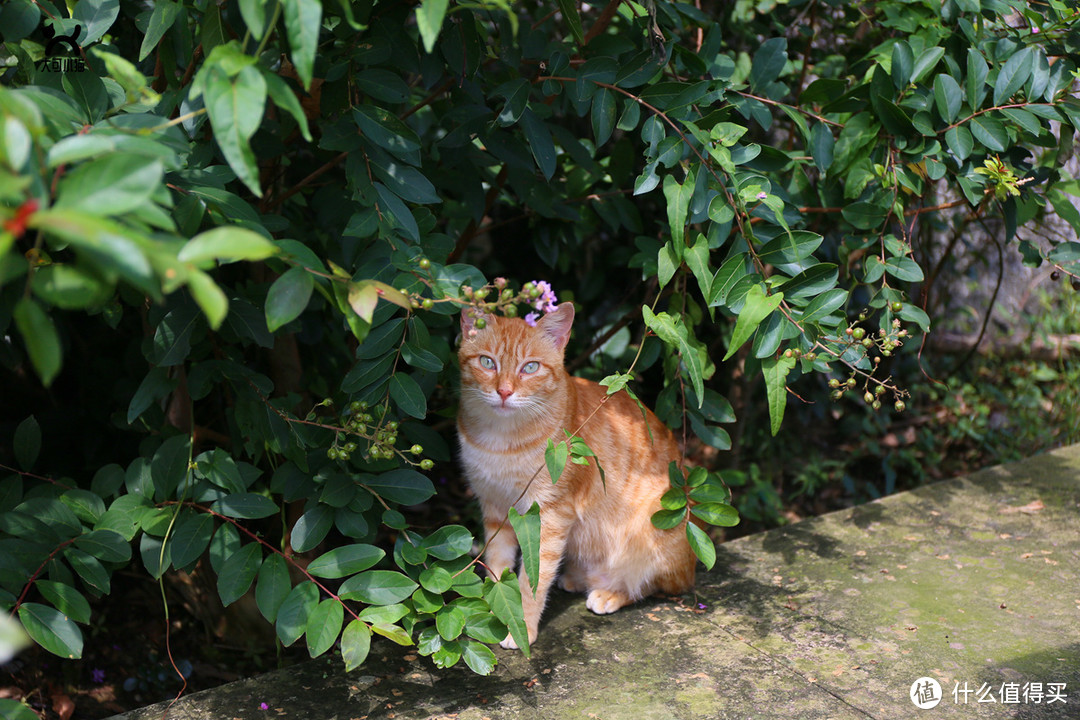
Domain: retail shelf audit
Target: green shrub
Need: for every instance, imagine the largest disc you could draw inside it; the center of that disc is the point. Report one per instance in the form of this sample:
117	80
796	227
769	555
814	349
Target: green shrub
236	239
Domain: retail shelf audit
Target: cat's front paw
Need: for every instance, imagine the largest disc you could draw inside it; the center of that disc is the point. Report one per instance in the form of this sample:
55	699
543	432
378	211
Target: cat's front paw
603	602
508	643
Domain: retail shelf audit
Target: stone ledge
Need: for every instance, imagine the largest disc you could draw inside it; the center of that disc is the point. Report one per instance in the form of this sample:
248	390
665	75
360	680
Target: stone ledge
974	580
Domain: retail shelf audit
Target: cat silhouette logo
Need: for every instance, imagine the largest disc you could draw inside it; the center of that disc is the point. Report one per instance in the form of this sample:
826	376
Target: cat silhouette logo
53	61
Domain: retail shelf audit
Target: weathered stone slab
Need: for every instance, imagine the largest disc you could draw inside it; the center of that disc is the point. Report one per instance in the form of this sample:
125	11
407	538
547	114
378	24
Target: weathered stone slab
972	582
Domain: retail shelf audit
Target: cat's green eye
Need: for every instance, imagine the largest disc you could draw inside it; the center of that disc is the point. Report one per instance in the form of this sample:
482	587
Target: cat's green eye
487	363
530	367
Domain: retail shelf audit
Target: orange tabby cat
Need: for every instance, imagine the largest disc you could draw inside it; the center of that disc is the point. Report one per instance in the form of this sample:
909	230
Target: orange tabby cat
515	395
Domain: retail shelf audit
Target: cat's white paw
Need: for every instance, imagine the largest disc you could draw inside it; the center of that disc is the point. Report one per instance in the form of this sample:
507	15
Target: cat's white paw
603	602
508	643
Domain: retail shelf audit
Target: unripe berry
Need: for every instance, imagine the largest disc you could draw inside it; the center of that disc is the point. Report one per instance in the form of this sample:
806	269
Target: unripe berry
427	464
851	382
834	383
480	323
480	294
897	306
424	263
858	333
416	449
900	406
427	303
876	404
868	397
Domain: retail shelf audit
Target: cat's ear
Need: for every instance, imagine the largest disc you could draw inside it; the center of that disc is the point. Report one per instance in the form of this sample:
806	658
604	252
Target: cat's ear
557	324
469	316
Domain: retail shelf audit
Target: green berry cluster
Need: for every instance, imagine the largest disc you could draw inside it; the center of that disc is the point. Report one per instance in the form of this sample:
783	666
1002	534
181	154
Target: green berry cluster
370	424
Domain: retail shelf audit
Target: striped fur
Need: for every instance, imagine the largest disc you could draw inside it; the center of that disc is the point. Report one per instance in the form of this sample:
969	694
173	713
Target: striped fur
599	533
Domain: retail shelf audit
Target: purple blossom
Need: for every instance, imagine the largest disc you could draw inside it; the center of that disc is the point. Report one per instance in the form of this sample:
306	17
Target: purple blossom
547	299
263	706
701	606
531	319
762	195
97	675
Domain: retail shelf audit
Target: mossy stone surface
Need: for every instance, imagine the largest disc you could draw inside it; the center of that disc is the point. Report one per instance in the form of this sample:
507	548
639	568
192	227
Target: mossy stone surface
974	582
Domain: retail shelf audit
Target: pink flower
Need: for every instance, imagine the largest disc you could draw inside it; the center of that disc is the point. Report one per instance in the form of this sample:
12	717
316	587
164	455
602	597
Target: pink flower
762	195
264	706
547	299
531	319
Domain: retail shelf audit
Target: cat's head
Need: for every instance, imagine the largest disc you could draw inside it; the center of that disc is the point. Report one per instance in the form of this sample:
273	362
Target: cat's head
511	369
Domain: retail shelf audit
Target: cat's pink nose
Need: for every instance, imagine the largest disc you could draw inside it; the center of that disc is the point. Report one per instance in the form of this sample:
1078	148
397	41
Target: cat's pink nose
505	392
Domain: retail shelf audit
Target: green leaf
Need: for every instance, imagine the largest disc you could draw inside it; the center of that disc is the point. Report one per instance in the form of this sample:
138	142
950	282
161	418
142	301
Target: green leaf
673	499
959	142
355	644
667	519
824	304
927	61
758	306
701	544
95	17
603	115
52	630
450	621
569	11
485	628
429	20
272	586
541	146
865	215
235	107
948	97
397	212
730	273
303	20
555	457
105	545
161	20
436	579
323	626
775	371
292	616
408	396
209	297
1013	75
13	709
111	185
191	538
288	296
904	268
504	599
311	528
27	443
678	203
790	248
346	560
377	587
169	466
990	132
41	338
902	63
90	570
246	505
448	542
403	486
387	131
66	599
238	572
768	62
527	529
226	244
697	259
480	659
720	514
